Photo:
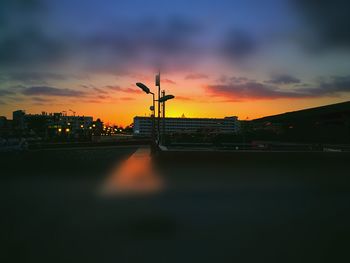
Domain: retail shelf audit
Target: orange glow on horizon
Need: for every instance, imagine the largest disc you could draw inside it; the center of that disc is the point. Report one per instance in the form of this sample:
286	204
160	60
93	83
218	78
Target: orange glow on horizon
122	113
119	107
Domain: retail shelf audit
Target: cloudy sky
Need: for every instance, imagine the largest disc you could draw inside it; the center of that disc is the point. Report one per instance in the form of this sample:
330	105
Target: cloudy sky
248	58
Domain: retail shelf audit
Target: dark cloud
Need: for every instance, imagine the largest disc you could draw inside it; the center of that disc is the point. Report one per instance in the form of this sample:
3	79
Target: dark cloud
41	100
4	92
114	87
52	91
196	76
333	86
17	88
183	27
329	20
222	79
239	79
252	90
27	76
153	41
238	45
86	86
283	79
98	90
11	10
118	88
30	46
22	5
24	41
173	42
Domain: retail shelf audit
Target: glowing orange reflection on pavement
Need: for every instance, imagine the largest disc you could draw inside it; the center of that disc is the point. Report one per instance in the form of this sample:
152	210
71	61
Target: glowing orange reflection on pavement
134	176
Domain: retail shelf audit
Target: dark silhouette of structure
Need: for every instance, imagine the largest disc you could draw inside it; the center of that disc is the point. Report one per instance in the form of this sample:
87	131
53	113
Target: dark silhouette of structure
330	123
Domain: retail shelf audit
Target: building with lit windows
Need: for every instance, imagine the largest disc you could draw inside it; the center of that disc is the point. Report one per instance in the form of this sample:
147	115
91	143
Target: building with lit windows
50	125
143	125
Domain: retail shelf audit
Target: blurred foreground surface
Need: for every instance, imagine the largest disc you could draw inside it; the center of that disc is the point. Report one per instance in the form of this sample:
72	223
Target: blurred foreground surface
59	206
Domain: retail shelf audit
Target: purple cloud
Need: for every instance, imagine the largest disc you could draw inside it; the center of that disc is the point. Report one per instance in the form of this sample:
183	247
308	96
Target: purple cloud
52	91
283	79
256	90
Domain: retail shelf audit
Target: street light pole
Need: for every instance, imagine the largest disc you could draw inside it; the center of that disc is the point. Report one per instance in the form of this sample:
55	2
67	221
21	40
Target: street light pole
160	100
163	113
153	121
158	117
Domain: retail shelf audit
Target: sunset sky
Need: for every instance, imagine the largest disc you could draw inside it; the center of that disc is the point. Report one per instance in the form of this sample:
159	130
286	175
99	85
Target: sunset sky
248	58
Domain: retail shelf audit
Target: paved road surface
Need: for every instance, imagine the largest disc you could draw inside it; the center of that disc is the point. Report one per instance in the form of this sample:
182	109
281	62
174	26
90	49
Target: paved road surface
54	209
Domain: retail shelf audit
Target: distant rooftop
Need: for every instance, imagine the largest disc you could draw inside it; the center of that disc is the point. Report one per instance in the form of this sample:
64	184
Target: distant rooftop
189	118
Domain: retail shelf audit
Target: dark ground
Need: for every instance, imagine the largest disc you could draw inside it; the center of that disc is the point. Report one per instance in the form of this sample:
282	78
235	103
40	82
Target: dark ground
244	208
